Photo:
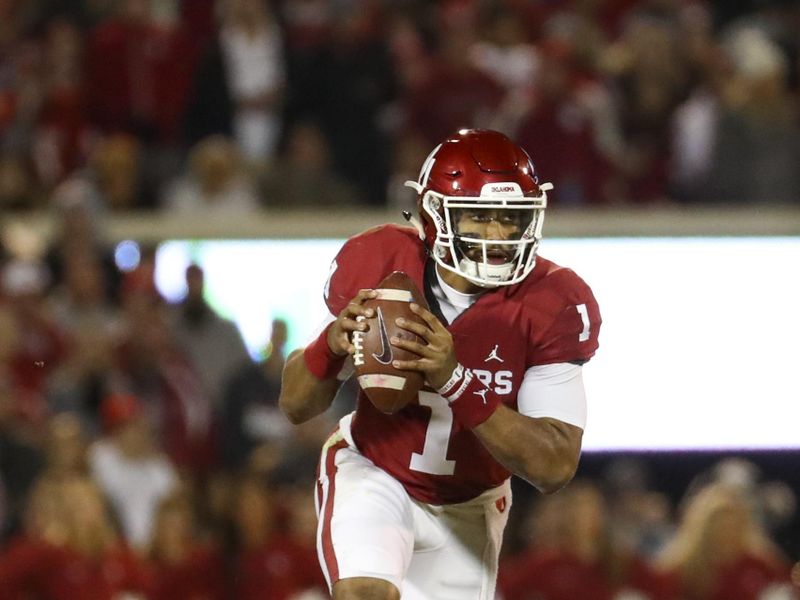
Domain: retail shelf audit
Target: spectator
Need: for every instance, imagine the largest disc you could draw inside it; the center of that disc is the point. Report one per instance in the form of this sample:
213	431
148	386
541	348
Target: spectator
181	564
239	83
308	26
305	174
16	186
130	469
66	447
216	182
81	302
250	413
721	551
3	507
507	56
471	97
650	78
275	352
116	173
37	346
44	527
61	140
82	309
74	552
359	87
640	515
756	146
21	459
78	231
213	344
572	130
269	565
694	123
301	527
137	73
150	364
580	558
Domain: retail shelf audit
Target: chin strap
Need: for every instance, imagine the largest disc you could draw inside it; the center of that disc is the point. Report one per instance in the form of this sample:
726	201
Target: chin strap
492	273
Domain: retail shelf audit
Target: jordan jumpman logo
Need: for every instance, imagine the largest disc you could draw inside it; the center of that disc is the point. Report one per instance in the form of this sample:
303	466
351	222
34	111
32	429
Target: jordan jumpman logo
493	355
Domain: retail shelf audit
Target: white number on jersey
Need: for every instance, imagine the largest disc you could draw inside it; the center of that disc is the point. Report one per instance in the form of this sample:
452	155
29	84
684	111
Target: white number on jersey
433	459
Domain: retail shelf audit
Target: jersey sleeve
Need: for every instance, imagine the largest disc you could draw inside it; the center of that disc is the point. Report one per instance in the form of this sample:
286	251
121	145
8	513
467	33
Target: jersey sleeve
348	274
571	336
367	258
555	391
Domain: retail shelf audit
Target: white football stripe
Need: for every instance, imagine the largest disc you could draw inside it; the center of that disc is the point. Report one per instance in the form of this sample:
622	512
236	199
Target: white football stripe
390	294
392	382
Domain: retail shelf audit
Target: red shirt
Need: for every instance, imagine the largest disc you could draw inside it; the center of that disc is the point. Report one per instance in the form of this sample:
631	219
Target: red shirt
554	575
38	569
279	569
746	578
535	322
742	579
200	577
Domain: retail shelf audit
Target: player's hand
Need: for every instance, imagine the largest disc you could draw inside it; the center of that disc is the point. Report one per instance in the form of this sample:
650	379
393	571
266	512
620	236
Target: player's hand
346	323
437	356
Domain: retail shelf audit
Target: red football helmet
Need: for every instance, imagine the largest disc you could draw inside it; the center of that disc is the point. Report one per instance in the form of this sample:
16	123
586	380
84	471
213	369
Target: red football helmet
473	178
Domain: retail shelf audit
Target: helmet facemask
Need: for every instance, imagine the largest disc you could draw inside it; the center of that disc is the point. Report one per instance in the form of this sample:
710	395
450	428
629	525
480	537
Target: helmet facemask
482	207
489	240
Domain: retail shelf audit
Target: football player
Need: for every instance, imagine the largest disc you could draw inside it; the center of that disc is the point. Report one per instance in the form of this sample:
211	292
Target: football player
413	504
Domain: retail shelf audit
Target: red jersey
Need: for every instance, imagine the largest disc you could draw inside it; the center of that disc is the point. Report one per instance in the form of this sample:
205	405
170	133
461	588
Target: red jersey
549	317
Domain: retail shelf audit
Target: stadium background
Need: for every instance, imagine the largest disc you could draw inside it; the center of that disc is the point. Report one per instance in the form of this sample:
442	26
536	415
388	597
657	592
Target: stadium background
128	124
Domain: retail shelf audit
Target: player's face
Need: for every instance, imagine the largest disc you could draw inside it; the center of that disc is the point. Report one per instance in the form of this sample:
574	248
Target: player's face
494	224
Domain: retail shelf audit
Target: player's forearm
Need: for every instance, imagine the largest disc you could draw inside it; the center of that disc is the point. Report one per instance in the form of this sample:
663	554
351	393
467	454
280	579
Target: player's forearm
544	452
304	396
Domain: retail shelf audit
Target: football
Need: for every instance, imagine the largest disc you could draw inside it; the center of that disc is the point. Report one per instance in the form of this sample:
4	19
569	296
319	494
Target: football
389	389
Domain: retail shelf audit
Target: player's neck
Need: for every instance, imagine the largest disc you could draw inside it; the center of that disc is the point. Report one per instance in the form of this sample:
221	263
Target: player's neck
458	283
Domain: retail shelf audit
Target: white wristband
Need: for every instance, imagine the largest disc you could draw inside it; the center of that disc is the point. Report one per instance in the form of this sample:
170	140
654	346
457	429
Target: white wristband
455	377
455	395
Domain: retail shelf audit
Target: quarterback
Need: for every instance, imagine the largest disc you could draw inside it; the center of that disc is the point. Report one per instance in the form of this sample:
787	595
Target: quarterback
413	504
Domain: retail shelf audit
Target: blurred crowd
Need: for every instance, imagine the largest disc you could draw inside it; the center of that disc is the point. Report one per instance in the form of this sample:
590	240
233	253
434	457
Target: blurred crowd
236	105
142	453
141	447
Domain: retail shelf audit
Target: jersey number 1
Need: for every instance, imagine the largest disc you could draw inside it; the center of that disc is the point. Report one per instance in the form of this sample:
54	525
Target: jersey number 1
584	313
433	459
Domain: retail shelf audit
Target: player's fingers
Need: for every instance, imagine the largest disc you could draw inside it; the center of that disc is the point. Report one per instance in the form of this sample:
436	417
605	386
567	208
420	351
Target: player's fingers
420	330
365	294
412	365
357	324
354	310
415	347
427	316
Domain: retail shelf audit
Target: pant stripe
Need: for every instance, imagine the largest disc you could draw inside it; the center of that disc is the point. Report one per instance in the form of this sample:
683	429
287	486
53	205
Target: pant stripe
326	489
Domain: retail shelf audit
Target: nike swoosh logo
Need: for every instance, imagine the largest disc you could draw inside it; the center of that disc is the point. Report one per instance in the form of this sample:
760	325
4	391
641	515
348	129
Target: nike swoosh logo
385	357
